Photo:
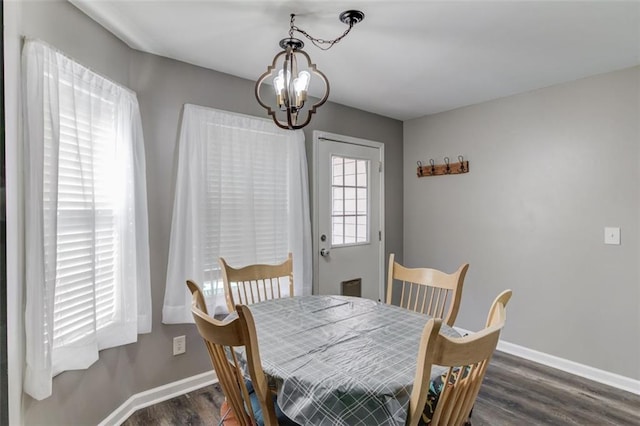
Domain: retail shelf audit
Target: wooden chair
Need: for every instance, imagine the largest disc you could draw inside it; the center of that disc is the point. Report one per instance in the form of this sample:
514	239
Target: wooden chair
221	338
255	283
427	291
467	359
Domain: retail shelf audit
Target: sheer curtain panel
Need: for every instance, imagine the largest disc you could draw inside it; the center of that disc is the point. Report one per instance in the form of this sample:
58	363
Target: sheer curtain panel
86	239
242	194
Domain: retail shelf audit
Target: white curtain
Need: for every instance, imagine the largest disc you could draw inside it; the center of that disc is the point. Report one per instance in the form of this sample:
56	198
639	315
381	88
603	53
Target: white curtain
242	194
86	238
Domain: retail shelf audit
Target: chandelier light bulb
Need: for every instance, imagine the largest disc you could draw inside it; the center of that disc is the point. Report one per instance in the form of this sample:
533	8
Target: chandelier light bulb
278	84
301	85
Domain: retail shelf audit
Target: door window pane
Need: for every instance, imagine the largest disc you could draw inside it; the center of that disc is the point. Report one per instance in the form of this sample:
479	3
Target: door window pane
338	200
350	201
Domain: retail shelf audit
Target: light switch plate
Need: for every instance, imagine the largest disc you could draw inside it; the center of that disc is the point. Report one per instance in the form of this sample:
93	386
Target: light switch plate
612	235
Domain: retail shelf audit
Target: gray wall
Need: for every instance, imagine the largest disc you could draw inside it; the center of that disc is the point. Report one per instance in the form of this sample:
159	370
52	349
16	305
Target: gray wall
163	86
549	169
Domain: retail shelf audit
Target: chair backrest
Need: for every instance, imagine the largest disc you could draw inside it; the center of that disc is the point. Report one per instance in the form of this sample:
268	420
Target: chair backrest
255	283
221	338
467	359
426	290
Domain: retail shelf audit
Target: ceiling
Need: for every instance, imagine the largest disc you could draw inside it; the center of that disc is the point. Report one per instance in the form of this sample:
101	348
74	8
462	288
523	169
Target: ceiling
406	59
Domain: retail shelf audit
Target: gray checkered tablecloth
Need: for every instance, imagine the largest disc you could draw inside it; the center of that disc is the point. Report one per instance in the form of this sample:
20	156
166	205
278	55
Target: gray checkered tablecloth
340	360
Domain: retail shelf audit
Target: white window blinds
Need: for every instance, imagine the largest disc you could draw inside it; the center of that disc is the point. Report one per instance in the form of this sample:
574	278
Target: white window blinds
86	234
86	239
241	194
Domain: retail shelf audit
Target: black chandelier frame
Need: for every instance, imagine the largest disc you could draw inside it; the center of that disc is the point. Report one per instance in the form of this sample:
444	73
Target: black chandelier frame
291	50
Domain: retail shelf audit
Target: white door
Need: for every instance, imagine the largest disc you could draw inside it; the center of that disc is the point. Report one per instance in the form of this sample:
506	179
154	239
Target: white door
348	216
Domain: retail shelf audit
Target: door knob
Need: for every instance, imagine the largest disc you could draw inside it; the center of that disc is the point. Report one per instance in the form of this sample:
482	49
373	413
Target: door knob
324	252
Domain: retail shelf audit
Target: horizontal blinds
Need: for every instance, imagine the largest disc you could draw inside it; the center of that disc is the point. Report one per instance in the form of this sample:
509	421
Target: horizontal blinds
87	240
247	198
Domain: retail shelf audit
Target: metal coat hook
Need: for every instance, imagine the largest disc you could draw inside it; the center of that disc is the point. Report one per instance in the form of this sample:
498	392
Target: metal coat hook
443	169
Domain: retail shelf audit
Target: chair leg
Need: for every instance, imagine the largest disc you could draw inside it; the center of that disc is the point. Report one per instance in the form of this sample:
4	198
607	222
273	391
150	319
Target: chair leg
468	422
227	415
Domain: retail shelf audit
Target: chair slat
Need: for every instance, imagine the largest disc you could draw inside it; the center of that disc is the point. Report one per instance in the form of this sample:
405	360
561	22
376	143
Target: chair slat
462	390
227	381
430	305
436	306
404	283
411	288
424	299
443	305
240	380
243	285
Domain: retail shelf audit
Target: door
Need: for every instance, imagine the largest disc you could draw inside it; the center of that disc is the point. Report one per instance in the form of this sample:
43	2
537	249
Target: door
348	216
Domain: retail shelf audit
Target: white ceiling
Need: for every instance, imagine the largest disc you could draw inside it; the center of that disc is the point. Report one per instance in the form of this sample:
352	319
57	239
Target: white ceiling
407	58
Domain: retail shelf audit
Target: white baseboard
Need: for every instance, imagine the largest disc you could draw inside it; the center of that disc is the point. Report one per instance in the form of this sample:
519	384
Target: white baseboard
159	394
575	368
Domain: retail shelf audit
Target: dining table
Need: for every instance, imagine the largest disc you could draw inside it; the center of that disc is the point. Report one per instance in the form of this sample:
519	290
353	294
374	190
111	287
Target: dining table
340	360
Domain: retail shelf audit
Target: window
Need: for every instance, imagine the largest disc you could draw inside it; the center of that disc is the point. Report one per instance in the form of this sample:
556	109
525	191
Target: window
85	185
86	233
241	194
349	201
246	203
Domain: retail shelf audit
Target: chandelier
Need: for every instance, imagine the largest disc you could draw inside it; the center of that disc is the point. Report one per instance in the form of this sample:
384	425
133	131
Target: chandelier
292	73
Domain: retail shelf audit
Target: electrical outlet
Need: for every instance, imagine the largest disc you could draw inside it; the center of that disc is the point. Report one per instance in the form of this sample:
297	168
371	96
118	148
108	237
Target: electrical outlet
179	345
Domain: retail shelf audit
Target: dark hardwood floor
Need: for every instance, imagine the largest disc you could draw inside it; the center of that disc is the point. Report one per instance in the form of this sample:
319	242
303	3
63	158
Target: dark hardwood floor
520	392
514	392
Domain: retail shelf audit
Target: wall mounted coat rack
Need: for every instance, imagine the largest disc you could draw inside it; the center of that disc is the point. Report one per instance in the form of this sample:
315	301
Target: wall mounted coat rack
447	168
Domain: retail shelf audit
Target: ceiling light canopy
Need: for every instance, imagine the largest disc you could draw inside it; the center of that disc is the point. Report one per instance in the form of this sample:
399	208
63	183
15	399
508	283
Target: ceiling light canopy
292	74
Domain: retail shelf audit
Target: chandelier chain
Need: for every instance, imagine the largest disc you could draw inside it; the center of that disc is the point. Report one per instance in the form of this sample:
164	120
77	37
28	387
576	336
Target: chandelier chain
318	42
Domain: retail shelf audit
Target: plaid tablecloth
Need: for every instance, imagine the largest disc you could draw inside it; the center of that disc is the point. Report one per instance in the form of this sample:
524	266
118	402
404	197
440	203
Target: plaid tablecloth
339	360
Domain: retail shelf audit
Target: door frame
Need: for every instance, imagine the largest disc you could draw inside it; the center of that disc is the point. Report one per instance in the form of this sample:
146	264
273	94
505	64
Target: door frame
4	365
318	136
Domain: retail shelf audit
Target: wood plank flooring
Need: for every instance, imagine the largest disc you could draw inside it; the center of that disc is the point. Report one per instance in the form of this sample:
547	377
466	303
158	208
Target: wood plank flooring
515	392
